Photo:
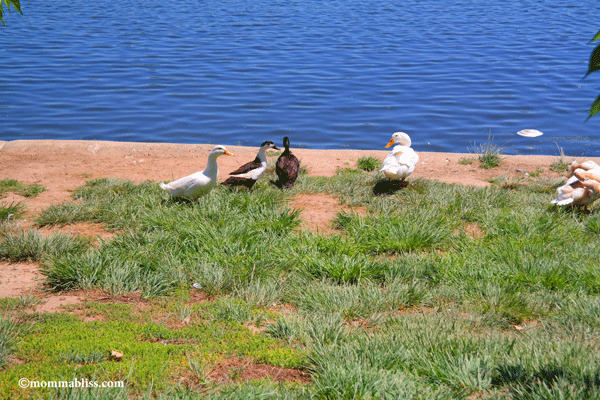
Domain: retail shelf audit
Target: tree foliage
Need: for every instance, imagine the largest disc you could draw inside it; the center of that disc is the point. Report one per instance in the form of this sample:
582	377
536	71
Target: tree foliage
15	3
593	66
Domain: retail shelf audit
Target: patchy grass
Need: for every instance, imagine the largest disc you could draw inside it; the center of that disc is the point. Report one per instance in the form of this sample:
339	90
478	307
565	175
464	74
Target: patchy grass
534	183
155	345
12	185
489	154
561	165
466	160
489	158
17	245
537	172
368	164
11	212
12	328
401	301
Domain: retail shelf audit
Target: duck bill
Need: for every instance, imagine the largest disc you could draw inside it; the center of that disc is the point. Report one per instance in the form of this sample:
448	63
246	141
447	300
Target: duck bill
391	142
228	153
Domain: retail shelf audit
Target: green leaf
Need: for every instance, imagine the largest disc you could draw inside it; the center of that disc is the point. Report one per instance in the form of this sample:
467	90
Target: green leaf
596	37
594	64
595	108
16	4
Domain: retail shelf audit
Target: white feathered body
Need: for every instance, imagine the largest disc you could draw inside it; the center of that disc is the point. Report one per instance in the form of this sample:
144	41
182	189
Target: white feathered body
582	186
400	163
192	186
255	172
199	183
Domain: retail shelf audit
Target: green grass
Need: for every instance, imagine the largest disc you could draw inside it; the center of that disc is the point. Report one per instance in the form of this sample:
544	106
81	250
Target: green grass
489	158
12	328
531	183
11	212
436	291
17	245
489	154
561	165
417	229
156	350
466	160
368	163
12	185
537	172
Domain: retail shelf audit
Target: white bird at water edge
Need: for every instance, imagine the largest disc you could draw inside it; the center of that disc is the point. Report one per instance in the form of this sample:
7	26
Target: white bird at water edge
200	183
401	161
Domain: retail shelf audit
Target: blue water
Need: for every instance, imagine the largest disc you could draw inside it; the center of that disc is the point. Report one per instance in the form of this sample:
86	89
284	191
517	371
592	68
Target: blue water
329	74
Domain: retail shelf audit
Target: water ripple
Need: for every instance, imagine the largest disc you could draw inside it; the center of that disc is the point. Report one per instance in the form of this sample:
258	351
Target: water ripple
336	74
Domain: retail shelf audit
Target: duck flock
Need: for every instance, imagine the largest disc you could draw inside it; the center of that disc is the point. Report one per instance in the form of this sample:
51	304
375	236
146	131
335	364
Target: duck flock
581	188
200	183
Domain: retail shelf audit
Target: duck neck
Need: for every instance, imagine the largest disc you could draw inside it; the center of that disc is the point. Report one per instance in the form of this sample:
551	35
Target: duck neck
262	155
212	170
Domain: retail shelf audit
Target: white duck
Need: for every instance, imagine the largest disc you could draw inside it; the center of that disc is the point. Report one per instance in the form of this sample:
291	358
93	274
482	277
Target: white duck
582	186
193	186
401	161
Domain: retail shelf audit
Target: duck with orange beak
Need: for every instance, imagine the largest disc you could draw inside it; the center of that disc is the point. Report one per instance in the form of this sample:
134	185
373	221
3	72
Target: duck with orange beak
402	160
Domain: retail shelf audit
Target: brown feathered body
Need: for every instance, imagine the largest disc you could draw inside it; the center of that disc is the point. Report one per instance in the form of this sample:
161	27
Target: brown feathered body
287	167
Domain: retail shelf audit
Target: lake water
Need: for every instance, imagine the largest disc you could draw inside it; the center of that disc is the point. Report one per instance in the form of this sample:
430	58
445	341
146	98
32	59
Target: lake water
329	74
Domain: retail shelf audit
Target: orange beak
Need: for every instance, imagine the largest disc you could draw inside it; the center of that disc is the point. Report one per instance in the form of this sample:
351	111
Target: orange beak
391	142
228	153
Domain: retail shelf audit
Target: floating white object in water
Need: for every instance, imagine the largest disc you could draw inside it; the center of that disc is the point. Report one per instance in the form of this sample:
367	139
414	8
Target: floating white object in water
530	133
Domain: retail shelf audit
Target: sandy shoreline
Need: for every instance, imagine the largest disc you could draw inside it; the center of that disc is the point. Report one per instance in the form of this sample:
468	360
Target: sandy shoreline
62	165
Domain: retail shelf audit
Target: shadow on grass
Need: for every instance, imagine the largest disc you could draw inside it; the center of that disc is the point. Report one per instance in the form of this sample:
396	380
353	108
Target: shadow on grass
386	187
179	200
576	210
548	375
